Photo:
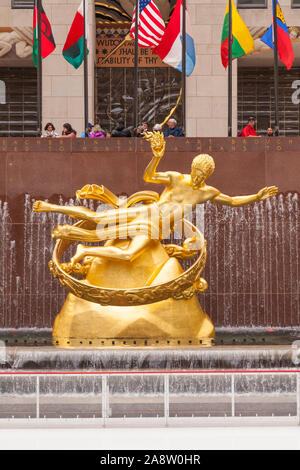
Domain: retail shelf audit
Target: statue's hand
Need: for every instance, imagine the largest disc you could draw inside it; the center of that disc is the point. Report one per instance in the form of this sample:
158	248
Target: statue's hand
264	193
157	141
159	151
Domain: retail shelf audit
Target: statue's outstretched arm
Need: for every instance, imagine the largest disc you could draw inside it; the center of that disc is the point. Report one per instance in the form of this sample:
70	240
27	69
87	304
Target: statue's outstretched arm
158	147
235	201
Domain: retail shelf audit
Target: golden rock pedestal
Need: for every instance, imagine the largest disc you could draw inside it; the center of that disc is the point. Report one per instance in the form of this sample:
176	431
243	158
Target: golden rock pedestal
166	323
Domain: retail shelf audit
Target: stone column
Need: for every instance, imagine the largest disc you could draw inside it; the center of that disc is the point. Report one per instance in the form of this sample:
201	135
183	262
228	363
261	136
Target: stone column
62	84
207	86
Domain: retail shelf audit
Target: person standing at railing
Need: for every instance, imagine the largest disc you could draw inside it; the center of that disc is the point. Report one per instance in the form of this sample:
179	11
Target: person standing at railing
88	131
68	131
249	130
98	132
49	131
173	130
121	130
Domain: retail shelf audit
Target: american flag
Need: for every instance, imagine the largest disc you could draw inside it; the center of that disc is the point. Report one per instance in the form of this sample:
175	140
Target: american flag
151	26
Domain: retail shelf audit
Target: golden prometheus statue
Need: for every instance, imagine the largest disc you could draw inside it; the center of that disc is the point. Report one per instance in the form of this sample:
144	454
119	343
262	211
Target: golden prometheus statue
134	291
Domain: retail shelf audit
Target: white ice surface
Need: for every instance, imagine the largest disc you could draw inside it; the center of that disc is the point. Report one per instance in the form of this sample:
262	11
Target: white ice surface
152	438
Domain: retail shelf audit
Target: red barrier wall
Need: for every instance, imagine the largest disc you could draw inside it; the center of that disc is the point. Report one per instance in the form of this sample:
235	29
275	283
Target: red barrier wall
253	264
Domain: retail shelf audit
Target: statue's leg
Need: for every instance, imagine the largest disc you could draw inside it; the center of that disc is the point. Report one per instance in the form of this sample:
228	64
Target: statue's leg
120	216
76	212
102	217
136	247
71	232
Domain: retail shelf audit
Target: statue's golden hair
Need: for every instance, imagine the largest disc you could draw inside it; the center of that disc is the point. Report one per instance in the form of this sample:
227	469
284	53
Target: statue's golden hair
205	163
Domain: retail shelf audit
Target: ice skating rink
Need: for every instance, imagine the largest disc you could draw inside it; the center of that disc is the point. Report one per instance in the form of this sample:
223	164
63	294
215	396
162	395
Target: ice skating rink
205	438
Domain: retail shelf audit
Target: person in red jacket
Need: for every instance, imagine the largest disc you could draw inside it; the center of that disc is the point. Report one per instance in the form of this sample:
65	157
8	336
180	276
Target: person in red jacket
249	130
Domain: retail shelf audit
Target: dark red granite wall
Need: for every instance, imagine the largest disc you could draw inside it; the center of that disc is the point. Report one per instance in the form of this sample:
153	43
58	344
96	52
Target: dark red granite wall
253	264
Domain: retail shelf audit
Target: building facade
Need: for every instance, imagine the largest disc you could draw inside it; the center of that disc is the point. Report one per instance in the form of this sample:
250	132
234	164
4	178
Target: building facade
110	81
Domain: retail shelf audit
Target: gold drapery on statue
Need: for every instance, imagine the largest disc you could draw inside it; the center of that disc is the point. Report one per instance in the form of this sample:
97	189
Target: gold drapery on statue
134	291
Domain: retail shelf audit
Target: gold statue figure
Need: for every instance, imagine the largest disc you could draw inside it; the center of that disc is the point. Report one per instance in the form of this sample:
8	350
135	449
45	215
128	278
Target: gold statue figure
135	292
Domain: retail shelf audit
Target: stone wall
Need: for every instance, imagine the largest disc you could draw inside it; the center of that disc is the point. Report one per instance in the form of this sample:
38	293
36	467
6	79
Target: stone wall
206	88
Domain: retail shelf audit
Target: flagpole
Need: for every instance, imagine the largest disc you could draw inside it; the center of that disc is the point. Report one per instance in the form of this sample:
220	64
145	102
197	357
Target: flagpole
85	68
230	70
184	65
39	69
136	64
275	66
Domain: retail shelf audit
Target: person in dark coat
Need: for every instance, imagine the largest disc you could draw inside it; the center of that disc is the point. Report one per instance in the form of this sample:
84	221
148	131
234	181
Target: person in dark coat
173	130
121	130
139	131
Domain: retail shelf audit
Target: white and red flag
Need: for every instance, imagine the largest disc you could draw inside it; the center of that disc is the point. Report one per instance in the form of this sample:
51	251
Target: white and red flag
170	48
73	50
151	26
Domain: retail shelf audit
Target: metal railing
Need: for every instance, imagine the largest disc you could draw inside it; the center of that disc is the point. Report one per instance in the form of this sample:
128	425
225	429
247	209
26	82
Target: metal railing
165	401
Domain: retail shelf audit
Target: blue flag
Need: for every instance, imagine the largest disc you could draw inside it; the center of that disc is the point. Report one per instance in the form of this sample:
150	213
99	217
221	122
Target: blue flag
284	43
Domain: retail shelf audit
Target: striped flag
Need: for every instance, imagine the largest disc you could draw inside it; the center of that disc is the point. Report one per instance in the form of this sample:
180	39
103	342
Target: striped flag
47	40
151	26
242	41
284	43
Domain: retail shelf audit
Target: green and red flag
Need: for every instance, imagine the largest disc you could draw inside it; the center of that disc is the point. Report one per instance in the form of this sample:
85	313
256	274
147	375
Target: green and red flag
73	50
242	41
47	40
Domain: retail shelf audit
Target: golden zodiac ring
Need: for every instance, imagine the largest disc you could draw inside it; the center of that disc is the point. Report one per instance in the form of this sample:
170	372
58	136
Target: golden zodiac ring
182	287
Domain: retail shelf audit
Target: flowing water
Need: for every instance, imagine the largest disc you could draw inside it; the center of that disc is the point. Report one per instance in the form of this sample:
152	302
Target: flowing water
245	357
252	267
149	385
